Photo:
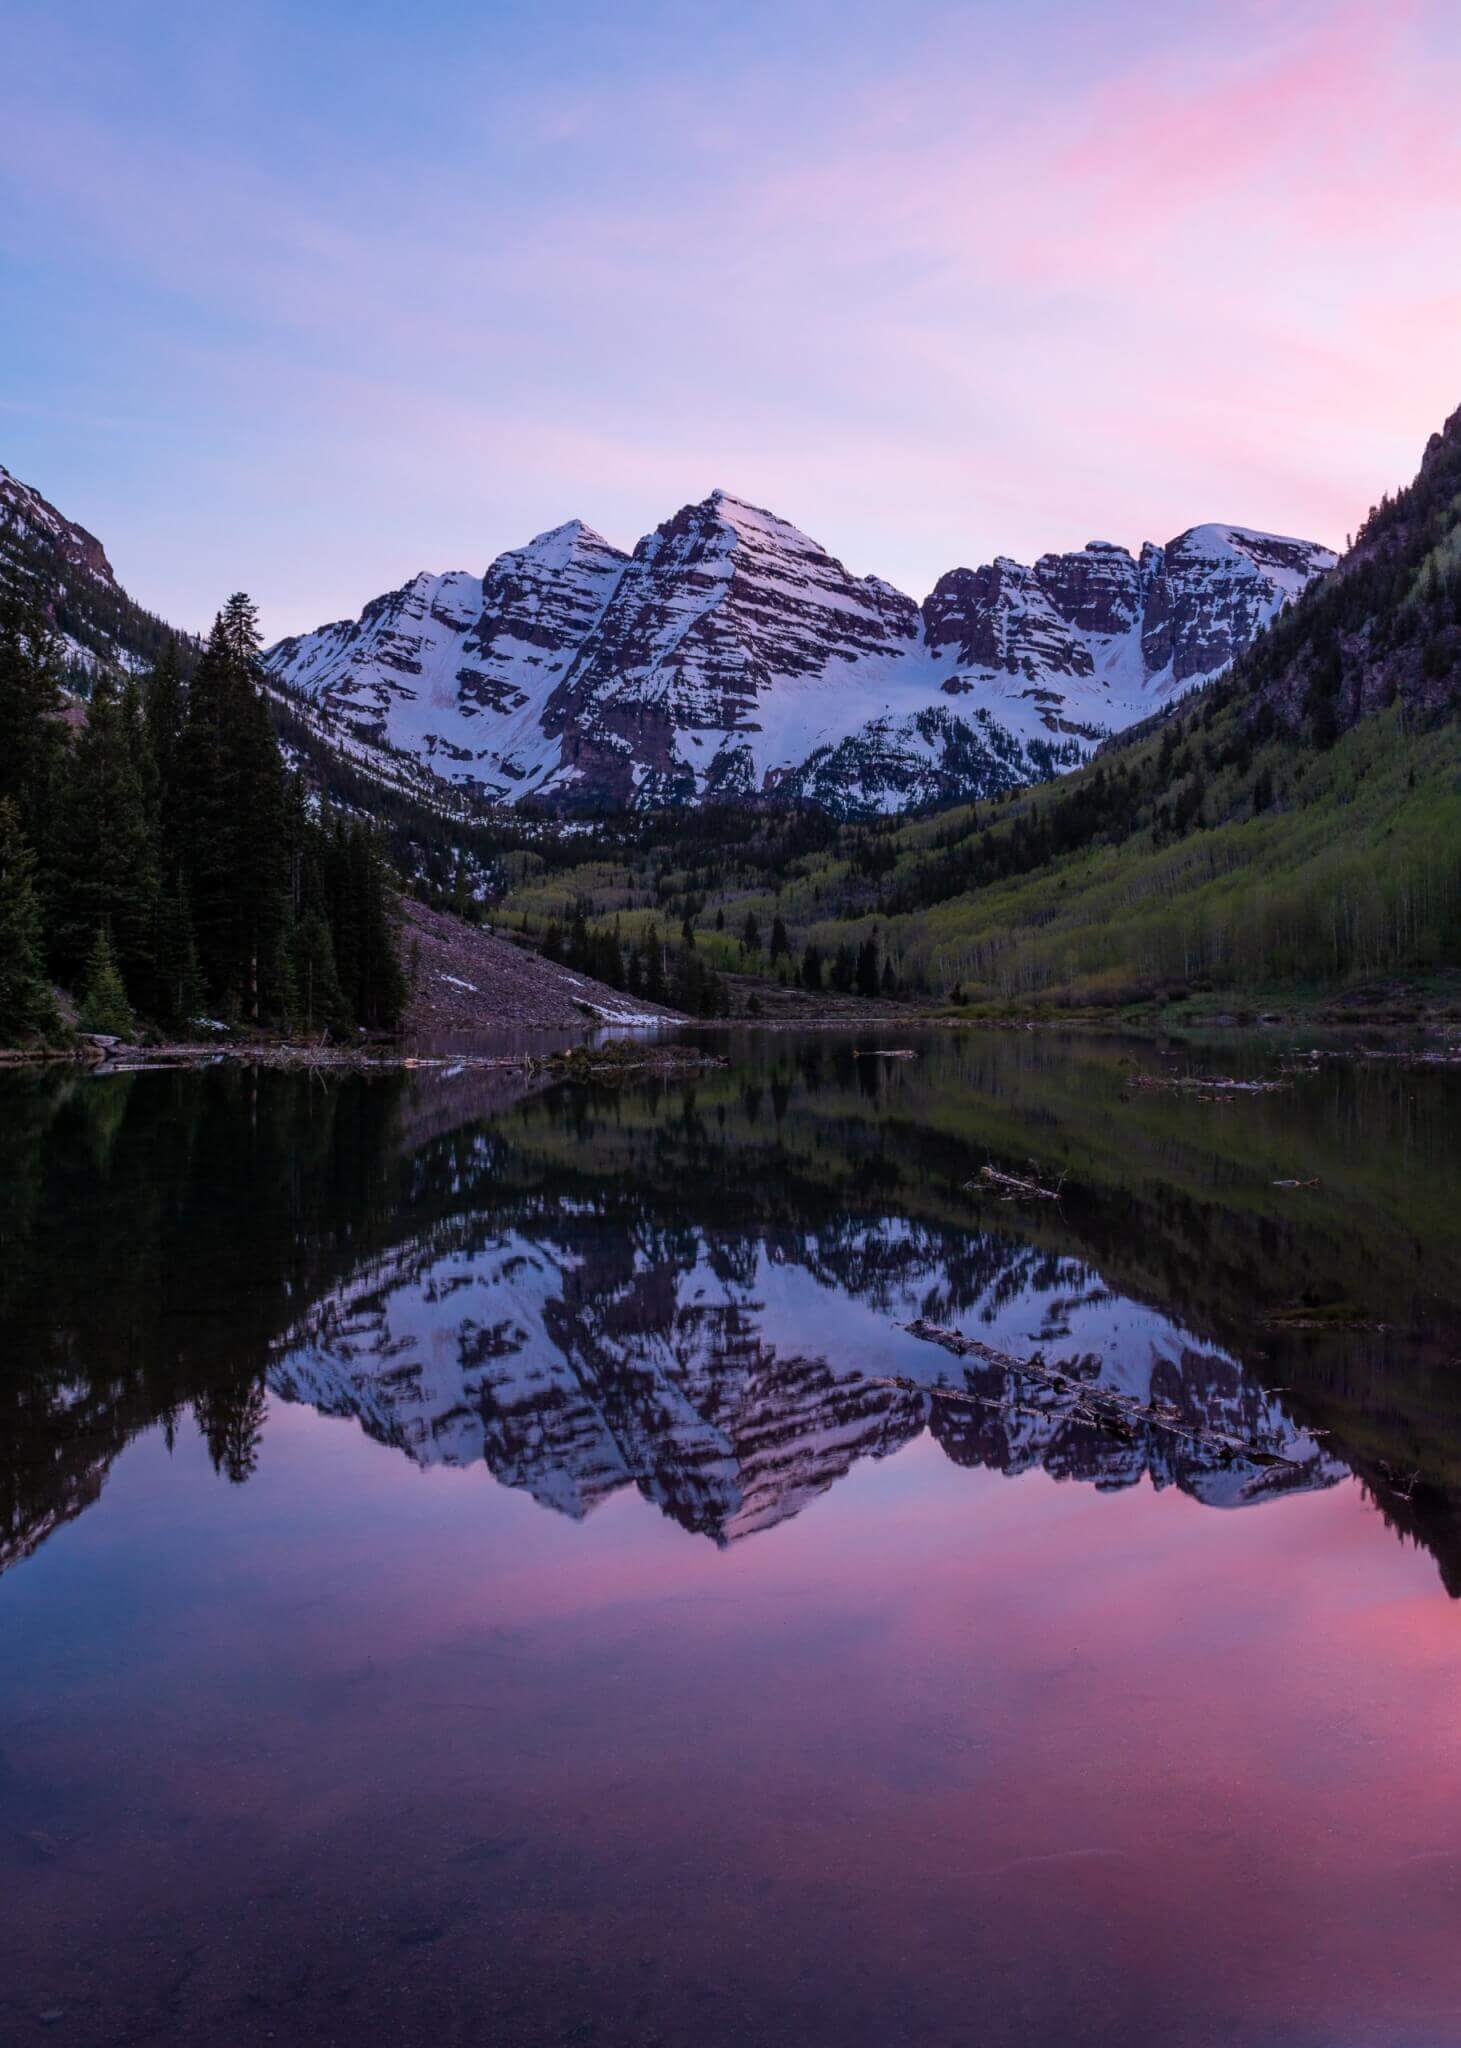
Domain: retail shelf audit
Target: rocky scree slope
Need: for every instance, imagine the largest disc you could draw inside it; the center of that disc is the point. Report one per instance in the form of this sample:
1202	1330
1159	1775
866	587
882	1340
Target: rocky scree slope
466	979
730	656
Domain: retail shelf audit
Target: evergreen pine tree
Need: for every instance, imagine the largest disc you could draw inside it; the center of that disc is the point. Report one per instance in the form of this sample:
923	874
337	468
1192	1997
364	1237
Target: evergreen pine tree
867	968
654	966
380	993
104	1005
162	715
26	1006
233	820
178	979
262	876
320	1003
30	723
204	803
104	870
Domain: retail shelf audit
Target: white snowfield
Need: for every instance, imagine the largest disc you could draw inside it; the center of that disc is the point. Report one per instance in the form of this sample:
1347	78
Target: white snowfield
731	655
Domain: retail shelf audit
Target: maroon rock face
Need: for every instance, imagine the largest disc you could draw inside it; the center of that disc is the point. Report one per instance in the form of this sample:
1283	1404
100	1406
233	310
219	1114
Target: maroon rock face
1003	618
1189	607
1098	591
717	606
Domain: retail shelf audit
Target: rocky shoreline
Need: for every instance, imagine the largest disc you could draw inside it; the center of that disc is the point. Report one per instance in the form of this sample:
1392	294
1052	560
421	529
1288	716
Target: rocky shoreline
612	1060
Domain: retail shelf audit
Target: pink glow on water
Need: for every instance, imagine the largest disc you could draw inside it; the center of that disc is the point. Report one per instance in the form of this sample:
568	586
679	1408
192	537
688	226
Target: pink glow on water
1183	1772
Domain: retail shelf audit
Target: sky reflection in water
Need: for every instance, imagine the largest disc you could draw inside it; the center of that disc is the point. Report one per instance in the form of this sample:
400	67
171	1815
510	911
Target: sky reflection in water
976	1734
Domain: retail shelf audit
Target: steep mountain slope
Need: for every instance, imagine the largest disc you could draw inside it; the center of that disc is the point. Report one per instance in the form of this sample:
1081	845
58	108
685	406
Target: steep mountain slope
49	560
730	635
731	656
467	980
1291	833
1387	625
456	670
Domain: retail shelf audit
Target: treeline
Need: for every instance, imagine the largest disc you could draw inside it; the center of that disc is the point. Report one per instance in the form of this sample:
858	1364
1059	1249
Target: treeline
651	967
157	858
1161	789
686	975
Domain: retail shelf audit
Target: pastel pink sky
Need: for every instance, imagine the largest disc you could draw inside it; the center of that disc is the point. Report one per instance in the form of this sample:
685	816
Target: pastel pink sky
306	299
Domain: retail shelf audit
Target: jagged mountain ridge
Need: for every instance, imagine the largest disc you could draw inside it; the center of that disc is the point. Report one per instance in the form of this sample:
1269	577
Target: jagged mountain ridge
731	656
47	559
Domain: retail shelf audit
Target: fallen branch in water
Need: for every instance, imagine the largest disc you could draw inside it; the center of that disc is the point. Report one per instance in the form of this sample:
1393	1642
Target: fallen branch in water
1332	1315
1119	1414
1011	1188
1207	1087
878	1052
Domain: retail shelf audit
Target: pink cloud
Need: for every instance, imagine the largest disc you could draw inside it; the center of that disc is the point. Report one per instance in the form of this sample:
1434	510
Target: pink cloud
968	305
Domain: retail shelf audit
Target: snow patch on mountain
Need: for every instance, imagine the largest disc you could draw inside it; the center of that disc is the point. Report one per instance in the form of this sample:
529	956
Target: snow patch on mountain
730	656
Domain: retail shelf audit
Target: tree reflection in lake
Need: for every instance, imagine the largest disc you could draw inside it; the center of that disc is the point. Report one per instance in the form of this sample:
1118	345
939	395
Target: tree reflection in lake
491	1562
698	1289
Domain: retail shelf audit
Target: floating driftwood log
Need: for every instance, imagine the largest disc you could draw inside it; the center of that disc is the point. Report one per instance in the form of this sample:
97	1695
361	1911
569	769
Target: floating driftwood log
1206	1087
1104	1408
1011	1187
880	1052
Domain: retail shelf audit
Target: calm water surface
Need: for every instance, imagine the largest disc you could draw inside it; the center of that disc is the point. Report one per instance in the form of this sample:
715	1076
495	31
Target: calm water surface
493	1566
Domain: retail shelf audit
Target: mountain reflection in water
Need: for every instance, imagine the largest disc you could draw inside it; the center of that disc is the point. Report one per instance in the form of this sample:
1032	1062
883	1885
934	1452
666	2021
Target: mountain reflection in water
698	1289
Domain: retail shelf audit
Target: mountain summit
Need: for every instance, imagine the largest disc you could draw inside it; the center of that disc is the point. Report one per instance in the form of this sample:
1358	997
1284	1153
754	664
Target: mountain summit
729	657
732	656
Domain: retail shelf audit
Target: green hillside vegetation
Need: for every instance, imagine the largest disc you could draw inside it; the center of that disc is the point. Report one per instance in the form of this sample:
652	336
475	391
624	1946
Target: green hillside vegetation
1292	831
1203	859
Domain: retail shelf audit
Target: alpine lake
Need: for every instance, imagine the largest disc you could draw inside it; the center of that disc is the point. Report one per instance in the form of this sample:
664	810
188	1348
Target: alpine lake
484	1558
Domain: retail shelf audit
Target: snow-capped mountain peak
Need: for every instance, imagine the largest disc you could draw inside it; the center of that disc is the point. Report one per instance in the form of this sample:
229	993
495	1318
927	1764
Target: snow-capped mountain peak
730	655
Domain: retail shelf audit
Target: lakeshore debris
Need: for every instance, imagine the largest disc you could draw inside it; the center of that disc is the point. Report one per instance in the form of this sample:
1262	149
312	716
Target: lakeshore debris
1106	1408
1011	1187
616	1059
1207	1087
1328	1315
622	1057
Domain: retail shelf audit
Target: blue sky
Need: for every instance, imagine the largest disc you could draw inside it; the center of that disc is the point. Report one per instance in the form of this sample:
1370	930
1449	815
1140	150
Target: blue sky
307	298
